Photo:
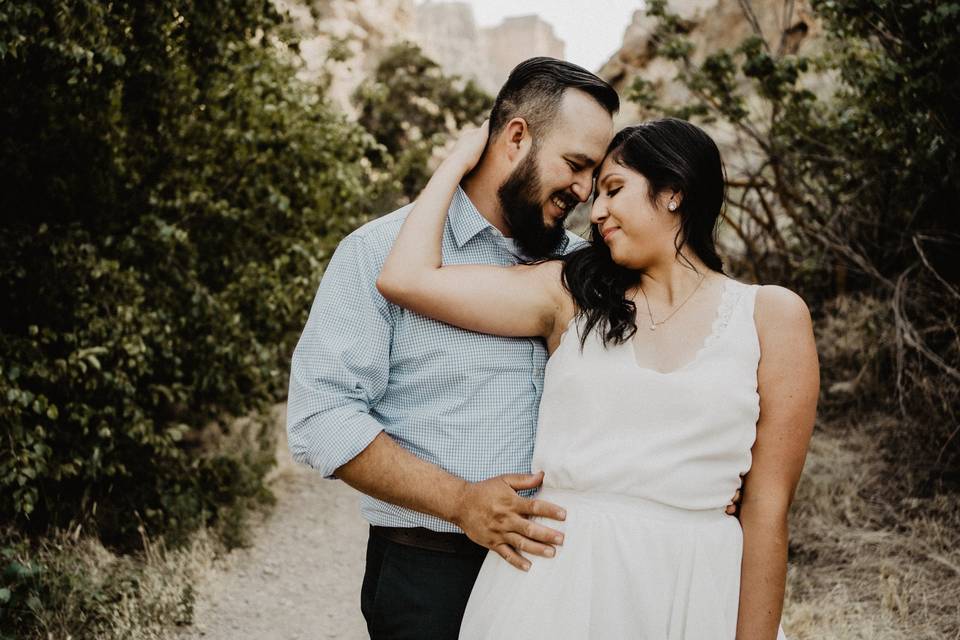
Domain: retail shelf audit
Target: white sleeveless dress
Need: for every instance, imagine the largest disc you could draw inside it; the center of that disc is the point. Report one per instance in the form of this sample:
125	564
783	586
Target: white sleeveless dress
644	463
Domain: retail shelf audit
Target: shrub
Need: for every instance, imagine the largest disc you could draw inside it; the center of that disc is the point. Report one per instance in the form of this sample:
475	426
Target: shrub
852	191
170	192
412	108
73	587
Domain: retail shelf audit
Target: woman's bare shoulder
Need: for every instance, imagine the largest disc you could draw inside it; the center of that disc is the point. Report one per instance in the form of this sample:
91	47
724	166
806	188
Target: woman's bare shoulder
779	310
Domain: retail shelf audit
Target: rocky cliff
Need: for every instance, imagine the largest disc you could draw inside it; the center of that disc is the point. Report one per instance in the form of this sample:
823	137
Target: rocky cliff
787	26
513	41
448	33
345	39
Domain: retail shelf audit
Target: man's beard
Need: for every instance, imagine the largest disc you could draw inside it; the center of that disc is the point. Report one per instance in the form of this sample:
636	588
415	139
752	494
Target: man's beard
524	214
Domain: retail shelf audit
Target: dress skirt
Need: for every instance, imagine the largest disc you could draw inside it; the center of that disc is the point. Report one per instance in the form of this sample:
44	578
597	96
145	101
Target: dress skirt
628	568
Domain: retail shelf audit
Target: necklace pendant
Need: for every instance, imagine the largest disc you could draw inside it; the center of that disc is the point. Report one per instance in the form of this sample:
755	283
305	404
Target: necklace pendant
653	327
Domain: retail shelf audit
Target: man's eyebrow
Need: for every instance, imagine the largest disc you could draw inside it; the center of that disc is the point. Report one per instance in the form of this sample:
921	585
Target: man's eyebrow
583	159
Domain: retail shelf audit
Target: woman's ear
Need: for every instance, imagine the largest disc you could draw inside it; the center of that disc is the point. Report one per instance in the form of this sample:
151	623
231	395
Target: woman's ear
674	200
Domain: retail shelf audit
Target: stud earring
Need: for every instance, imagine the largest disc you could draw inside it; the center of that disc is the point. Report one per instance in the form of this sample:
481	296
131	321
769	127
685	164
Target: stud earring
672	206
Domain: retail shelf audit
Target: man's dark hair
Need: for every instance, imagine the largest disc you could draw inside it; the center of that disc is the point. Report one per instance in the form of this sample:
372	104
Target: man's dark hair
535	88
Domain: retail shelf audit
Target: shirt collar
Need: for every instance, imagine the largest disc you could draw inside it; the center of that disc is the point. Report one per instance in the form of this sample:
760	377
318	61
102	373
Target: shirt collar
465	220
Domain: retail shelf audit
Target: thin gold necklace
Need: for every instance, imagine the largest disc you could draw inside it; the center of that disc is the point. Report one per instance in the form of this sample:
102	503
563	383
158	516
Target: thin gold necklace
654	323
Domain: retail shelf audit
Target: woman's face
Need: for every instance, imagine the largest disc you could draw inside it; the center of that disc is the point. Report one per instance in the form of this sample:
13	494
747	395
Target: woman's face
639	230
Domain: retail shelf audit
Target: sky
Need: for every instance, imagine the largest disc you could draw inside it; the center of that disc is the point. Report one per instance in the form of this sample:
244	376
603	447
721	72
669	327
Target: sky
592	30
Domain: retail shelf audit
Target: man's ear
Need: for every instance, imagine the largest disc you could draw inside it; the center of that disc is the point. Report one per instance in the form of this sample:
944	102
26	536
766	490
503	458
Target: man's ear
516	137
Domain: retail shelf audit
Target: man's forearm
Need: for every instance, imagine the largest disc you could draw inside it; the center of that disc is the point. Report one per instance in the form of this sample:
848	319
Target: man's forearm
388	472
489	512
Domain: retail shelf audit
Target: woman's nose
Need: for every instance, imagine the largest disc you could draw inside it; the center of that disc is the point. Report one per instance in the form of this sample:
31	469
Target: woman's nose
598	212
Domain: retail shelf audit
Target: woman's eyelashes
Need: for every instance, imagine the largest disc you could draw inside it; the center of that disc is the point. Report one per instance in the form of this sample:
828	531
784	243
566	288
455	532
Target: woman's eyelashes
613	192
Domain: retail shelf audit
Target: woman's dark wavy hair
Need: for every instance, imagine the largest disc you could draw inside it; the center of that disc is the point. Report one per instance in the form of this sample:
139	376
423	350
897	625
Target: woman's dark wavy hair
671	154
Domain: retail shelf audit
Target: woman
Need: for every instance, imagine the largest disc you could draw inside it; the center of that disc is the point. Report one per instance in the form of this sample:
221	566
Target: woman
667	381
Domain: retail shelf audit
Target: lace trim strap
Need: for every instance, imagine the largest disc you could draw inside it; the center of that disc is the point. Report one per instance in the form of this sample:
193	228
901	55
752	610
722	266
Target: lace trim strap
729	299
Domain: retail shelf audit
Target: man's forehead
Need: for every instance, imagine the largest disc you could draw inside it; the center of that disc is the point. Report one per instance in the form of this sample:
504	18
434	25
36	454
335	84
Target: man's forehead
583	128
584	147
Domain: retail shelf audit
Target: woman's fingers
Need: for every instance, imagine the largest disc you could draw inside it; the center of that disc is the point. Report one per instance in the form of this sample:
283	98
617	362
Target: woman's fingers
470	145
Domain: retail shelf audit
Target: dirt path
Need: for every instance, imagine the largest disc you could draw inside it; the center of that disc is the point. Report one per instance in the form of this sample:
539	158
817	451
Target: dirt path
849	579
300	579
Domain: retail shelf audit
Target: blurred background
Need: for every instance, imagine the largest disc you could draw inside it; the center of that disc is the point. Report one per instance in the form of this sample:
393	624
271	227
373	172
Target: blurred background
175	174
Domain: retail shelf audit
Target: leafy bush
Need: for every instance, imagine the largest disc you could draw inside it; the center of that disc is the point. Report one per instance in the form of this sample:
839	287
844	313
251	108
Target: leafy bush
852	192
170	192
412	108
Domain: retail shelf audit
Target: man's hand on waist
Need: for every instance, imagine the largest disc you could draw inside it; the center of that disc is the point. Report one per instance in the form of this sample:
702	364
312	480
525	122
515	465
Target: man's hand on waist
493	515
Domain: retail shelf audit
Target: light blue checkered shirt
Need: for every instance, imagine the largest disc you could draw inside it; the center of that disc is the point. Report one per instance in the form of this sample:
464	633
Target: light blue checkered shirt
462	400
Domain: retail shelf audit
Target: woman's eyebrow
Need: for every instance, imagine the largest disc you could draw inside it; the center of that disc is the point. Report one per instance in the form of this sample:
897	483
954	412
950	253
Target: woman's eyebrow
608	177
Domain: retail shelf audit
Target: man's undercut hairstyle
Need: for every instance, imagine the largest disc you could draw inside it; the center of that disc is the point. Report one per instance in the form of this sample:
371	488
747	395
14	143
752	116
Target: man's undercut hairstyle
534	91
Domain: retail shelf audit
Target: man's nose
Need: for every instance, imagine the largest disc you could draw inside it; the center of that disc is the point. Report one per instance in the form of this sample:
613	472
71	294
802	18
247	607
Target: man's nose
582	188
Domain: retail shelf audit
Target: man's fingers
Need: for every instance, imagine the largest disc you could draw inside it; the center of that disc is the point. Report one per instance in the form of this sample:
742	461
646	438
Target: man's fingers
507	553
731	510
521	481
527	545
536	532
542	509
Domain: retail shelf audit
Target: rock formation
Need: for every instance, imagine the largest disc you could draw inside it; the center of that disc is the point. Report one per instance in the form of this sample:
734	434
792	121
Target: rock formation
786	25
448	33
345	39
342	40
516	39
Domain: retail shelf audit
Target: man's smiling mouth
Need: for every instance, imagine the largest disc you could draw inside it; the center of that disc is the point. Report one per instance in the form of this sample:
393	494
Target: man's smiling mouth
563	204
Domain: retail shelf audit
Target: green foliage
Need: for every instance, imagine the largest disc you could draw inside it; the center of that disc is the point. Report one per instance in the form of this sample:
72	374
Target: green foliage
852	191
412	108
170	192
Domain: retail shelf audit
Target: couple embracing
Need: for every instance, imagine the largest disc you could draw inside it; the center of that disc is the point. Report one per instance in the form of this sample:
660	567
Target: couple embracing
547	430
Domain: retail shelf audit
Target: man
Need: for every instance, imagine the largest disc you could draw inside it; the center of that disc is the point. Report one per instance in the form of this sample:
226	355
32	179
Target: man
435	424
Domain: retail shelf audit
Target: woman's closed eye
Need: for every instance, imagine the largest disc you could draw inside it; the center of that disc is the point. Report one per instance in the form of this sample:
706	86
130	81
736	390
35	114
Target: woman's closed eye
613	192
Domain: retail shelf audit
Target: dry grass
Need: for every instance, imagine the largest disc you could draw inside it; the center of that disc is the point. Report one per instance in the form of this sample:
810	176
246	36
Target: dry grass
166	593
79	590
84	590
868	562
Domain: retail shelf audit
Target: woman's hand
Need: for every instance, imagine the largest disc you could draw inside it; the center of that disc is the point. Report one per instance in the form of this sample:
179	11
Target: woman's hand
517	301
469	147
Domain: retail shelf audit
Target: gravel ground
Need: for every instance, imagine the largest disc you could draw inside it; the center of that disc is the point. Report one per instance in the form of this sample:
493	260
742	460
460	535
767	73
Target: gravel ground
301	577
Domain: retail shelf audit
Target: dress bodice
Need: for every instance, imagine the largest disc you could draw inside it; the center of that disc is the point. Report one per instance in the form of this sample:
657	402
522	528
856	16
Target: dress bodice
681	438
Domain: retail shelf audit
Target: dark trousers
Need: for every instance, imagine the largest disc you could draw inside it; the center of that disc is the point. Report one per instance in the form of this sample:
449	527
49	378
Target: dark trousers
414	593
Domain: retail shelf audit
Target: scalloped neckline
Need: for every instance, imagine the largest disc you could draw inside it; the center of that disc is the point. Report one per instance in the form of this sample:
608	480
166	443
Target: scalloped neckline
721	319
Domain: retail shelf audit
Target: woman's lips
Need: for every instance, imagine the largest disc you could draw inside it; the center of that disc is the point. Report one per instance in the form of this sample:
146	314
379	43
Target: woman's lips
609	232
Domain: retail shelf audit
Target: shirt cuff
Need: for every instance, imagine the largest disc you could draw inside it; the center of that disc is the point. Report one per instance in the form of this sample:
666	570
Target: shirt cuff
337	444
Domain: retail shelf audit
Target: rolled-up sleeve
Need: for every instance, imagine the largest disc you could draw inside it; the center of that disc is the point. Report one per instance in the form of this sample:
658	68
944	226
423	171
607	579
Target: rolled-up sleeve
341	364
